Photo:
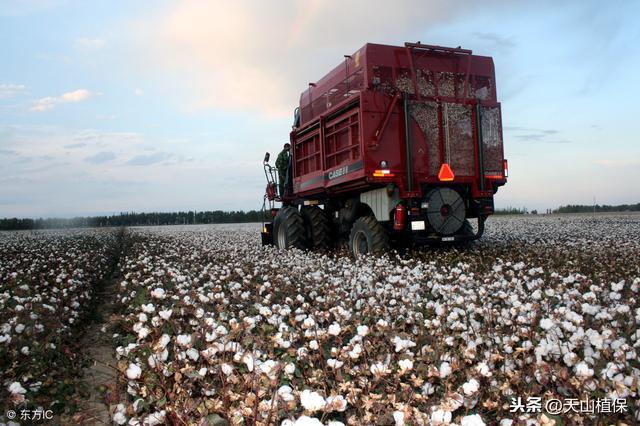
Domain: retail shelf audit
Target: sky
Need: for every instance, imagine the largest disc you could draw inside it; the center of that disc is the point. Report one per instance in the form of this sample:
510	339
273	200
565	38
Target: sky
110	106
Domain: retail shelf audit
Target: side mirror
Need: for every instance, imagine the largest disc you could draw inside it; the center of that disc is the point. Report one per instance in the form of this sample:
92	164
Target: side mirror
266	158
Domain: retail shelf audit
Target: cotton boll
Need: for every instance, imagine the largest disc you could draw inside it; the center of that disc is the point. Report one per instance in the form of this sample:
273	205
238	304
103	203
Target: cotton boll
398	417
472	420
582	370
471	387
334	329
134	371
312	401
405	365
444	370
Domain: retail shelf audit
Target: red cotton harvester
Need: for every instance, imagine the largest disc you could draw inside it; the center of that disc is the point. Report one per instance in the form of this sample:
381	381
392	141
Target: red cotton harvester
396	144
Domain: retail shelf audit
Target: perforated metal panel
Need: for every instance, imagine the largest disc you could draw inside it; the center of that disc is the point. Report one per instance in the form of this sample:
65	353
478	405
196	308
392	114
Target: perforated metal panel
492	141
459	148
426	115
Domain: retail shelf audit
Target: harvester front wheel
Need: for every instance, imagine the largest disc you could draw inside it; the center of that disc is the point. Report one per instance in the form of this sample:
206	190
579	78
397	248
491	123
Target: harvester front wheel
368	237
289	229
317	226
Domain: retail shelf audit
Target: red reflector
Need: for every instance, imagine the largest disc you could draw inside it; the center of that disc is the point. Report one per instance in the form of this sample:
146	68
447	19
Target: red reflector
493	176
506	168
445	174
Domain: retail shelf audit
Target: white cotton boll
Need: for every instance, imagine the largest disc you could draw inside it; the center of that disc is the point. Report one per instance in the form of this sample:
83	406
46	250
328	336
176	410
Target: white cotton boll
314	345
227	369
17	389
335	423
405	365
472	420
398	417
158	293
184	339
379	369
483	369
441	417
334	329
471	387
193	354
583	370
134	371
119	418
546	323
165	314
156	418
269	367
203	371
336	403
334	363
143	332
290	368
142	317
248	360
428	389
506	422
570	359
151	361
20	328
444	370
164	340
363	330
382	323
312	401
287	422
308	421
148	308
308	323
25	350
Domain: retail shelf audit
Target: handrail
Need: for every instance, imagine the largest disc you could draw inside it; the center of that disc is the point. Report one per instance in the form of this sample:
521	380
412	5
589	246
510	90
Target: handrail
439	48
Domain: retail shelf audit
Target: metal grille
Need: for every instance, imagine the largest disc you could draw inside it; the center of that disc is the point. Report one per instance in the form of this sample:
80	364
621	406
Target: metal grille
426	115
482	88
459	149
492	141
446	84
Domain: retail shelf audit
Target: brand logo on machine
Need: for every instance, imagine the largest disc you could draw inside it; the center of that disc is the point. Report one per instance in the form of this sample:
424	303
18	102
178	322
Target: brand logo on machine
338	172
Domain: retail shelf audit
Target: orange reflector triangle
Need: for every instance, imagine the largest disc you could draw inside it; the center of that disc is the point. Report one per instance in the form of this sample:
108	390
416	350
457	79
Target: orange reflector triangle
445	173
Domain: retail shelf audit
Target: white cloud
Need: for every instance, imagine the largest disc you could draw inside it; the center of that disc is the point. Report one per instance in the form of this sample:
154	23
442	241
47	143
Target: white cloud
10	90
138	92
251	55
85	43
49	102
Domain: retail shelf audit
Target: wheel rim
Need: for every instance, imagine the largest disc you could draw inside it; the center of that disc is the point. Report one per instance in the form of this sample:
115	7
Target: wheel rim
360	243
282	237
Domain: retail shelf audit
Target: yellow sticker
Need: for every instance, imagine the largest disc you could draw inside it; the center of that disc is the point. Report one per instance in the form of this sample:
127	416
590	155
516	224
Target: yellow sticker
357	59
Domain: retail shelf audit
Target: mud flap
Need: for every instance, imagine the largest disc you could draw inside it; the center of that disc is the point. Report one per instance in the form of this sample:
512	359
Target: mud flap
267	234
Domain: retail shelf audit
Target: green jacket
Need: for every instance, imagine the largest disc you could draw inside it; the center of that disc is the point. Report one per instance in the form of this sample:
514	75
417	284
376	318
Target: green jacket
282	162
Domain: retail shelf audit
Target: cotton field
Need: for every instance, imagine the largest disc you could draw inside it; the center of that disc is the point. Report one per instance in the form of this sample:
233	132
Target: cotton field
216	328
47	282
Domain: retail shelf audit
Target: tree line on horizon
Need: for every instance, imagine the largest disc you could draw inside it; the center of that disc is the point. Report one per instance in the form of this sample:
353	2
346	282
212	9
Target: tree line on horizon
134	219
220	216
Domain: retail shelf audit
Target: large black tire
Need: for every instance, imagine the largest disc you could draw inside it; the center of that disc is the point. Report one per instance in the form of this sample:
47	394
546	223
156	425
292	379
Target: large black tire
318	227
288	229
368	237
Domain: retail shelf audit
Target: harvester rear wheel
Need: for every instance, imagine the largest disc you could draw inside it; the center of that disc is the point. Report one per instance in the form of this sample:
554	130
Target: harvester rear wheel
289	229
317	226
368	237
